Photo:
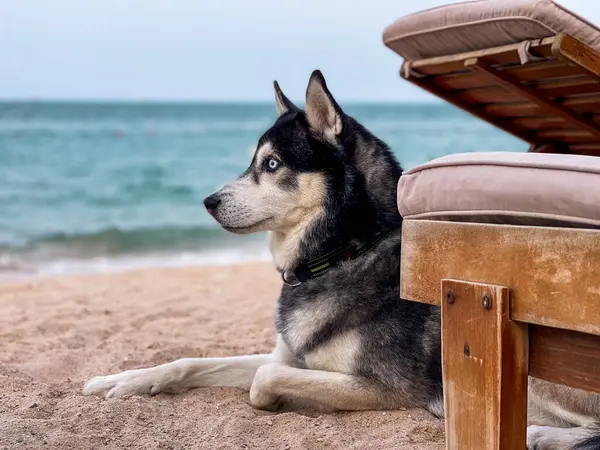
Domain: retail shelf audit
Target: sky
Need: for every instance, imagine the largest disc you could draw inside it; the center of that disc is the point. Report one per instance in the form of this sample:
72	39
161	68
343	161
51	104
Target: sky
215	50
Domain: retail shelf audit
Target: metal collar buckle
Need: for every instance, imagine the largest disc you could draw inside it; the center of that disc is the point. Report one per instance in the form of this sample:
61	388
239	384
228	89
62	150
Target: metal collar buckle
289	283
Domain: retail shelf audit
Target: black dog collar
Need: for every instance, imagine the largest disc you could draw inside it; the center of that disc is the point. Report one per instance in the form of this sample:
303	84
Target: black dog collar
319	266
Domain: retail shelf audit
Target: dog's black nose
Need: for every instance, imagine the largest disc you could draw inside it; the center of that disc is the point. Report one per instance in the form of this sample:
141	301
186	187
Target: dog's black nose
211	202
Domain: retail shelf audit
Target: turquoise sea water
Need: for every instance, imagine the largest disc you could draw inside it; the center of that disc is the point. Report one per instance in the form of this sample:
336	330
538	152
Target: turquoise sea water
98	186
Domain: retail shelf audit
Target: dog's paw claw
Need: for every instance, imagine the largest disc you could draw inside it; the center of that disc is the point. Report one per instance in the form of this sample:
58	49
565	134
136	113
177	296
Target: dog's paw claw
98	386
155	390
124	384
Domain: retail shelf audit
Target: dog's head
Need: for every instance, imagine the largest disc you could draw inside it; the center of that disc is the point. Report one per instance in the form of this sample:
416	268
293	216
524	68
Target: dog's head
287	182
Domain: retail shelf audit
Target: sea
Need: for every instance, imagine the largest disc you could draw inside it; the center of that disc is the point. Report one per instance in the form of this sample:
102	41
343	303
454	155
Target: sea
99	187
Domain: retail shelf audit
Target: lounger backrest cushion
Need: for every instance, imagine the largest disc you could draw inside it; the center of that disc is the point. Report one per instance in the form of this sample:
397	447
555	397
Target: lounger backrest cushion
477	25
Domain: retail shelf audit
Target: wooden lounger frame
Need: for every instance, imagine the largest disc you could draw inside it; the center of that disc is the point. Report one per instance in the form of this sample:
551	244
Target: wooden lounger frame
516	301
544	91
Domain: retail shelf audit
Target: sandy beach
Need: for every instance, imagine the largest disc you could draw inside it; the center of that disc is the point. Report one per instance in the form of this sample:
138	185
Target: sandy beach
55	333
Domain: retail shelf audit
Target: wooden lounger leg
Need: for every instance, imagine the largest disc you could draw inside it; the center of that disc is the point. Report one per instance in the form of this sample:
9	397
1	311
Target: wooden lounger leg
485	368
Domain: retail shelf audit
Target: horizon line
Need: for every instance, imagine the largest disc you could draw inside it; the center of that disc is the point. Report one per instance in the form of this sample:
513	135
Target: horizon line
206	101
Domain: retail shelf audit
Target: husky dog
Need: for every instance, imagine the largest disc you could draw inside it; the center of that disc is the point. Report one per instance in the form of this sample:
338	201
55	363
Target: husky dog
325	189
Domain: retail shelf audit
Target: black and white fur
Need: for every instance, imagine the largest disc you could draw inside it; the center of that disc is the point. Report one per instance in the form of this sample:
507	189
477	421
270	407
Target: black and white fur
319	180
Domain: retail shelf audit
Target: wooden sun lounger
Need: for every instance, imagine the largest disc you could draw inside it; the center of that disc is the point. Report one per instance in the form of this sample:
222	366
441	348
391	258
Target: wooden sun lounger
516	300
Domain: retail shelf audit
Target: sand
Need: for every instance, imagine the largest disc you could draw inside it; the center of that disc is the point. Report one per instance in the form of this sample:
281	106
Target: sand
56	333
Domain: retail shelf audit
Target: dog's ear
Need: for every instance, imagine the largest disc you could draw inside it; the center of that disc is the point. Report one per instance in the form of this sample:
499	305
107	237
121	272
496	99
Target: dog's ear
284	104
323	113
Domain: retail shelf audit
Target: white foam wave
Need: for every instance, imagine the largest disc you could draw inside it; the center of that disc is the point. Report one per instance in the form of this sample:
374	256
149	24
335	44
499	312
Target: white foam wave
110	265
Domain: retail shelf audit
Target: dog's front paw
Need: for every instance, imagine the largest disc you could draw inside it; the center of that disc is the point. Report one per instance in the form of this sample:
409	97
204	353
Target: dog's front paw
125	384
543	438
534	434
262	394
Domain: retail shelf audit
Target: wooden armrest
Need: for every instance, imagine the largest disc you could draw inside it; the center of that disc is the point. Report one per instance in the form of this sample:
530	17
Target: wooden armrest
553	273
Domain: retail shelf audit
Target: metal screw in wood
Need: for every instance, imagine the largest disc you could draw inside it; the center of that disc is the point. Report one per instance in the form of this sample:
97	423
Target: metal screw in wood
486	301
450	296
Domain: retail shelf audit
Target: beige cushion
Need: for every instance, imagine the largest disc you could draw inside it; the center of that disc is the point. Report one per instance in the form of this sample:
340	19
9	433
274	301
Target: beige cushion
504	187
478	25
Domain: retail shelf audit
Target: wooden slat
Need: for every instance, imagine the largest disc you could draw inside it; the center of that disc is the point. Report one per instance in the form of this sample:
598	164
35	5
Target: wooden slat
568	87
479	112
584	104
521	109
568	48
468	80
568	136
477	89
589	104
492	94
553	273
565	357
548	70
485	368
538	97
505	55
540	122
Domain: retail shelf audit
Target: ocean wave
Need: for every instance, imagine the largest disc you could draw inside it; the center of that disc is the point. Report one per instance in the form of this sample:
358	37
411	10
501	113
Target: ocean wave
116	241
115	249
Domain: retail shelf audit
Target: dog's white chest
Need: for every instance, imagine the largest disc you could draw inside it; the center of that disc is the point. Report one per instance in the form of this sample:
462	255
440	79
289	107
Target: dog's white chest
302	324
305	323
336	355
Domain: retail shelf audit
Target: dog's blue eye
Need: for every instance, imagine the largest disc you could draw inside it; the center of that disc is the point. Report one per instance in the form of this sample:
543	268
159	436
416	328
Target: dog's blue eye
272	164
